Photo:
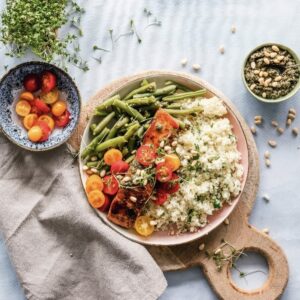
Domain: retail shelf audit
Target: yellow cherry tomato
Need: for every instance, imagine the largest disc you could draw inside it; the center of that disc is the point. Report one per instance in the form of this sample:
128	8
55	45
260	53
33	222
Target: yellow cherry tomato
23	108
112	155
50	97
172	161
47	119
29	120
58	108
143	226
96	198
35	133
27	96
94	182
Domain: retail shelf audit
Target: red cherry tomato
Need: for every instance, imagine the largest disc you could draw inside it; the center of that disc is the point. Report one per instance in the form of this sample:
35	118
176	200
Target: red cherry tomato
106	205
31	83
119	166
163	172
45	129
63	120
172	186
48	82
161	197
111	185
41	105
145	155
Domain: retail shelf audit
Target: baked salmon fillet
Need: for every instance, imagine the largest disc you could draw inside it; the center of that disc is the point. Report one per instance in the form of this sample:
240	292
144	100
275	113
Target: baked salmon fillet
123	211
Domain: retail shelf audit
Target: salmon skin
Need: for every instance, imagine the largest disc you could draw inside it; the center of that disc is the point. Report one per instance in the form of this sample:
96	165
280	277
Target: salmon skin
124	211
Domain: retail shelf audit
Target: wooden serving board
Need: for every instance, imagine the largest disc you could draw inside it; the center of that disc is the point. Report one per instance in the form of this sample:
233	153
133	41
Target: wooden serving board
238	233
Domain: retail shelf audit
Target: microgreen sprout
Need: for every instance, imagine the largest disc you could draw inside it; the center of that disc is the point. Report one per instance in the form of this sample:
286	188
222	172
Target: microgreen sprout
35	24
132	26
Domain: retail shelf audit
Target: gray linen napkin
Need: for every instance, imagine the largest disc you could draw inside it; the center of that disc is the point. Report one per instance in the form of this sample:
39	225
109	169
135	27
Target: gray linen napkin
58	245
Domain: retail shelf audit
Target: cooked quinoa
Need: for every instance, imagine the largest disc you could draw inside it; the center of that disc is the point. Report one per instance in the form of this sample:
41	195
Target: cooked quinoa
211	172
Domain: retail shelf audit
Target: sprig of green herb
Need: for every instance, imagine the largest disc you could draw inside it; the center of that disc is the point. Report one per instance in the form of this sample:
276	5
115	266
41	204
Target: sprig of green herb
114	38
34	25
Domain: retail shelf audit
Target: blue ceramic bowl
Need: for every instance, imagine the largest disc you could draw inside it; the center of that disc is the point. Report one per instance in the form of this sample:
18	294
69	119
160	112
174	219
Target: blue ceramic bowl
10	123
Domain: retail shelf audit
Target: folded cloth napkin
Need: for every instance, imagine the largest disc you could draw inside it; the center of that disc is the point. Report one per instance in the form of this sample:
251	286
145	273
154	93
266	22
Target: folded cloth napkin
57	243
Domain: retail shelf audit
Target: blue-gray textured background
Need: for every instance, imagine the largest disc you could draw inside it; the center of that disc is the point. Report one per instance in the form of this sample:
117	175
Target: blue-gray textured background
195	29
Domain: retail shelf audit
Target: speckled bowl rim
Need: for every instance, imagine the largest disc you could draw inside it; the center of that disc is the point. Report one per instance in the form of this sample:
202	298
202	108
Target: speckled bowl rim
283	98
79	99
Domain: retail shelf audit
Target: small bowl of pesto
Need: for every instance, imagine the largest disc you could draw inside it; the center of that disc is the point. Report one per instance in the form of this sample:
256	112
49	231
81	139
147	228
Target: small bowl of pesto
271	73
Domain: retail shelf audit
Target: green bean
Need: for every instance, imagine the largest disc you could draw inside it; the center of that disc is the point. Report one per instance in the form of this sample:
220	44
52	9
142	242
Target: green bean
130	159
108	103
175	105
119	124
131	143
141	101
92	145
144	82
125	151
92	164
131	131
181	123
129	110
179	86
153	106
184	111
142	95
184	95
101	113
111	143
150	87
93	126
102	124
139	133
165	90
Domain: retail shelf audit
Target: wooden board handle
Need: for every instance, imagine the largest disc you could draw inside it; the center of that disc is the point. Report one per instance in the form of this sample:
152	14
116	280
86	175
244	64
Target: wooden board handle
256	241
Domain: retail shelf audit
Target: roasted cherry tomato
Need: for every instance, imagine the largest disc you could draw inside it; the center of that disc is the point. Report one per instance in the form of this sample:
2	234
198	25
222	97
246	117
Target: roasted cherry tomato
161	197
172	186
173	161
58	108
96	198
27	96
94	182
106	204
47	119
63	120
143	226
50	97
111	185
48	82
163	172
31	83
30	120
112	155
23	108
145	155
45	130
35	133
119	166
41	105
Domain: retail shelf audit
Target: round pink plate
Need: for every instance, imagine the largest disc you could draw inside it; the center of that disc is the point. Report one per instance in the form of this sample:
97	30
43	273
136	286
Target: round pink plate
163	238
